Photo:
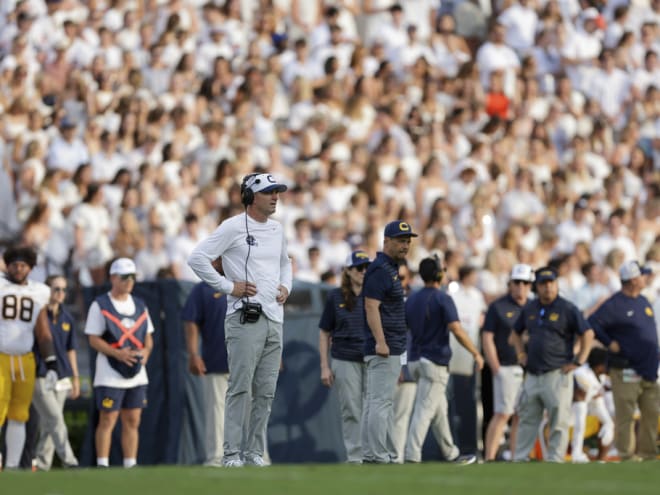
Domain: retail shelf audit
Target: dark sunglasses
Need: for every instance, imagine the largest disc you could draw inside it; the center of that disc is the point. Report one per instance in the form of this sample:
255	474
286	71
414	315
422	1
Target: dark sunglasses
59	289
362	267
128	276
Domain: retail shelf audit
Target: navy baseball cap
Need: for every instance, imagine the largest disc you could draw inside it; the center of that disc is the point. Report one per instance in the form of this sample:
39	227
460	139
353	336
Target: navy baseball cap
357	258
545	274
399	228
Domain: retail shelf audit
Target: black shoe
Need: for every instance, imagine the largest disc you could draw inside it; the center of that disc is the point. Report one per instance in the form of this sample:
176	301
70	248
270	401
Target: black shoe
464	460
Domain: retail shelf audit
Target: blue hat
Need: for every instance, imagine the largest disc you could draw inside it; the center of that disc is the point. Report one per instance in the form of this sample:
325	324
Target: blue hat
399	228
545	274
357	258
67	122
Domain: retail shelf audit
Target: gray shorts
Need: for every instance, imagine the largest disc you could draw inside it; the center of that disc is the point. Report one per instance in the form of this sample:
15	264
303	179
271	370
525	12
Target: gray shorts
506	389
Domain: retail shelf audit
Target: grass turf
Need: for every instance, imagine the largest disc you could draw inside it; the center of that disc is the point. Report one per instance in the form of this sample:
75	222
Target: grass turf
309	479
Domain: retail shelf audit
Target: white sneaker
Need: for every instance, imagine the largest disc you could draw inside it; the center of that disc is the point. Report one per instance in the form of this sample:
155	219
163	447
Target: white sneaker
580	458
233	463
255	460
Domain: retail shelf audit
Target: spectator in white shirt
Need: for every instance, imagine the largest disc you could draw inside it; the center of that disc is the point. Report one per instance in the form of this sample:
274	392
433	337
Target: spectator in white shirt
576	229
592	294
393	32
520	21
614	237
422	13
407	55
301	66
581	49
67	151
496	55
610	87
183	245
154	257
336	47
107	161
617	27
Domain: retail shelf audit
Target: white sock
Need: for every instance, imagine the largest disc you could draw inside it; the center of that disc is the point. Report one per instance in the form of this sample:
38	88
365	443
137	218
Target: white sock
15	440
579	427
102	462
130	462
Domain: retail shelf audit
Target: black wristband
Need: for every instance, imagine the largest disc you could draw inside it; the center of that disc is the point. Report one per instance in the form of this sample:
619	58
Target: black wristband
577	362
51	363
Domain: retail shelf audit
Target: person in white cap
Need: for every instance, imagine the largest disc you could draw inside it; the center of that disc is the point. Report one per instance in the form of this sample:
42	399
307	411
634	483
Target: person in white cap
501	357
625	324
119	329
257	281
343	323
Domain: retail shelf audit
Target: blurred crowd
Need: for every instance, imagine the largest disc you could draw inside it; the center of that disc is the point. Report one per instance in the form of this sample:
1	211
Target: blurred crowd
511	131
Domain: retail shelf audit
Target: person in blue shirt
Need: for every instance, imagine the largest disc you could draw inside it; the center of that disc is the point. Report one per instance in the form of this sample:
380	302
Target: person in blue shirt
385	341
342	328
431	315
203	316
48	402
625	324
507	375
552	324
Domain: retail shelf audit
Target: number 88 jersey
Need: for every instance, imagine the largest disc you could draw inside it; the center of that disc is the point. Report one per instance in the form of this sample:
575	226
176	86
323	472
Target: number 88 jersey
19	307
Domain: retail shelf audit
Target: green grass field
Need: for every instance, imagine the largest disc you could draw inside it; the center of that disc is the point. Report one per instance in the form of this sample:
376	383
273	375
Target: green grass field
309	479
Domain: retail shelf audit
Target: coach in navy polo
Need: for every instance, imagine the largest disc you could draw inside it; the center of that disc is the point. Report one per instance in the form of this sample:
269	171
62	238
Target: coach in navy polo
203	316
385	340
553	324
625	324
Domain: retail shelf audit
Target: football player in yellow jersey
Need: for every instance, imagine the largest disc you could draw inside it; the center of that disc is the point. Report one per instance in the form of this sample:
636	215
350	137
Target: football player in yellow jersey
22	318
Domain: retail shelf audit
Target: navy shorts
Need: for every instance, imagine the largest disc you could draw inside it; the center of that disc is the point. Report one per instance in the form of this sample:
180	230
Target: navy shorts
114	399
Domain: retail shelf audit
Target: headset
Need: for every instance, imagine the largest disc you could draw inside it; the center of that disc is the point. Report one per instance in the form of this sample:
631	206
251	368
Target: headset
247	194
250	312
439	271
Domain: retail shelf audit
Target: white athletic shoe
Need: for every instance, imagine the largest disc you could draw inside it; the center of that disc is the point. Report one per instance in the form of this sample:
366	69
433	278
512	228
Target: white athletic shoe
580	458
233	463
255	460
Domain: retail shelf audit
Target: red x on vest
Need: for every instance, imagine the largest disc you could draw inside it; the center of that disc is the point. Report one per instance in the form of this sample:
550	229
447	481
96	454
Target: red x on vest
127	332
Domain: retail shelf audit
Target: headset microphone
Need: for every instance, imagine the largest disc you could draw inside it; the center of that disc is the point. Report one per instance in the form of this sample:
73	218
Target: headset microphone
247	194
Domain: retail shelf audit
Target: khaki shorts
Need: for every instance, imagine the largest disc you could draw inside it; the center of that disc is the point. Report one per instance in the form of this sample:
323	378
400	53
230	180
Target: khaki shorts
506	389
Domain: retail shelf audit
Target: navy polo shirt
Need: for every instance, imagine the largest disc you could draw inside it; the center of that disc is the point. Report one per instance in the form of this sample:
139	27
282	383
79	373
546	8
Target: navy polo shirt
381	282
552	329
346	327
500	319
629	321
207	308
64	340
428	312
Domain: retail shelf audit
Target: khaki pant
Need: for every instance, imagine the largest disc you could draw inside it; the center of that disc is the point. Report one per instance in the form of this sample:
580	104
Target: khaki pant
430	410
552	392
382	376
350	383
627	396
254	351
